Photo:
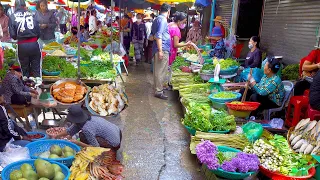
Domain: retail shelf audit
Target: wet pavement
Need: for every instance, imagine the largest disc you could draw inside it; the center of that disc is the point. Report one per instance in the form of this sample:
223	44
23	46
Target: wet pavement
155	145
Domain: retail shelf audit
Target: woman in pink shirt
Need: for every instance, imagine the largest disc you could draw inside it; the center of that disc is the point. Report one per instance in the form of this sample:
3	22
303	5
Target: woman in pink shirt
180	20
4	21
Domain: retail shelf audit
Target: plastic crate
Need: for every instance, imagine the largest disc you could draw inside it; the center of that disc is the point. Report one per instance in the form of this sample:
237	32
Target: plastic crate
38	147
5	174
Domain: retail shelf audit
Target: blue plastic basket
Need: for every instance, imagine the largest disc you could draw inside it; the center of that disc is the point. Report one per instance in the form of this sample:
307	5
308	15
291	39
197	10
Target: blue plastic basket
230	175
34	133
220	100
229	71
47	73
218	105
38	147
5	174
193	131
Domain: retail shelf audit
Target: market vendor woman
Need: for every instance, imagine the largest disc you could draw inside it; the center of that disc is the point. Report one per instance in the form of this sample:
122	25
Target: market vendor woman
15	92
95	131
9	129
269	92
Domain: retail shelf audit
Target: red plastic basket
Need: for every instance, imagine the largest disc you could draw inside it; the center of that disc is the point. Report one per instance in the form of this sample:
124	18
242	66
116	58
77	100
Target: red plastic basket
244	106
278	176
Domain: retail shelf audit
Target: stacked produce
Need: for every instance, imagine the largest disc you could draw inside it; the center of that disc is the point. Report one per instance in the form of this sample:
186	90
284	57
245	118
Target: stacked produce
98	70
184	79
43	170
237	141
35	136
57	130
68	92
107	100
225	63
200	118
179	63
276	155
53	46
305	137
9	54
207	68
197	93
56	152
96	163
224	95
208	153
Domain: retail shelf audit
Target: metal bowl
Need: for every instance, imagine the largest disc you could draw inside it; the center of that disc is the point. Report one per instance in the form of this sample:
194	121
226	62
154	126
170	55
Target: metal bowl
69	80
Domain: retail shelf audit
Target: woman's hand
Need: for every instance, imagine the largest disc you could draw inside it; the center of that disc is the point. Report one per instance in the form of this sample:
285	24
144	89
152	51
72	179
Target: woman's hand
34	91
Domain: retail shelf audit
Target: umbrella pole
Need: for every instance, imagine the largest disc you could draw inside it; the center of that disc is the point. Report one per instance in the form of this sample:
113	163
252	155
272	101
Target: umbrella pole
79	43
111	52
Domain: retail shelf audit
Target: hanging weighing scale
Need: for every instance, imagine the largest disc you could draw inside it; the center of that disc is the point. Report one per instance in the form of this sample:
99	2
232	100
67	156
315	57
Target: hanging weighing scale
216	82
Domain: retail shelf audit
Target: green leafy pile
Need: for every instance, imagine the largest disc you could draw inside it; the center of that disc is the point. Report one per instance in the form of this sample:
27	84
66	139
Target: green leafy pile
208	67
179	62
5	67
101	70
224	95
97	52
84	54
226	63
9	54
291	72
197	93
53	63
68	71
197	117
221	121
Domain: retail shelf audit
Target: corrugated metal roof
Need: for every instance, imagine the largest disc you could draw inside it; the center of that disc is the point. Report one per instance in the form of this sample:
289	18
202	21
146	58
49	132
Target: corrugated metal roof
224	9
289	28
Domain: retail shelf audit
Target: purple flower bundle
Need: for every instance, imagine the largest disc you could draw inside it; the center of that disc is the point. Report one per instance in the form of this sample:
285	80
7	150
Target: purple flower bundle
243	162
206	153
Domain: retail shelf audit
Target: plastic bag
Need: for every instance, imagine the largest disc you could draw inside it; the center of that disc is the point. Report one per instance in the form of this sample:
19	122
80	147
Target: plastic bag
13	153
276	123
256	74
252	130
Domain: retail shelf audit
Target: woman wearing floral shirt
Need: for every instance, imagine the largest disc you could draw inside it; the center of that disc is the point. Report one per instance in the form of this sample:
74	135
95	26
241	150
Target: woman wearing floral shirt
194	34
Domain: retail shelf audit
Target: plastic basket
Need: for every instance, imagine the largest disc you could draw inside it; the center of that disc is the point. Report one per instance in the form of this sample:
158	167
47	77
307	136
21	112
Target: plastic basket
229	71
47	73
241	114
38	147
193	131
230	175
218	105
206	77
34	133
244	106
221	100
278	176
5	174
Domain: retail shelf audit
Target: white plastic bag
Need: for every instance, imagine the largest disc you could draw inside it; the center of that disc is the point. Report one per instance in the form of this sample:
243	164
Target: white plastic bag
13	153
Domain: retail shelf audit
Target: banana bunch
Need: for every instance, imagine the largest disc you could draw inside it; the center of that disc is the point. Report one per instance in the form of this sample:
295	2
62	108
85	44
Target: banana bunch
79	169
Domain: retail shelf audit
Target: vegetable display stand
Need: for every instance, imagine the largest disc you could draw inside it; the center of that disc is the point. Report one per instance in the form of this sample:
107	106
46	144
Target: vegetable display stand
278	176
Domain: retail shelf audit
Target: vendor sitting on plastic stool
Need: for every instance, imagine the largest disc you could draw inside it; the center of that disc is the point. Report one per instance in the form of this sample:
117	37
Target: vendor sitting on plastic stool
9	129
269	92
95	131
219	48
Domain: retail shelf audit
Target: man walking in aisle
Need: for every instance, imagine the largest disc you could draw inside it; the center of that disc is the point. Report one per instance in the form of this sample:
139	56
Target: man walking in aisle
161	49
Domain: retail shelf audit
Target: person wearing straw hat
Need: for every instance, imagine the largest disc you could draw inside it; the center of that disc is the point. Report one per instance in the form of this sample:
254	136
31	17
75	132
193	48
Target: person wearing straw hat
217	23
149	42
269	92
94	131
219	48
8	128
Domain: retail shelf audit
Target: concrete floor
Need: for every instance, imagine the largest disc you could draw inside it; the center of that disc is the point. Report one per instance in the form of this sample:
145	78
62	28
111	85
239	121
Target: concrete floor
155	145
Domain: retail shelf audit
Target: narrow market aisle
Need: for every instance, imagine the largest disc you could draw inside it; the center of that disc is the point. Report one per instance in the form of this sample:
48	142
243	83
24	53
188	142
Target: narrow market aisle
154	145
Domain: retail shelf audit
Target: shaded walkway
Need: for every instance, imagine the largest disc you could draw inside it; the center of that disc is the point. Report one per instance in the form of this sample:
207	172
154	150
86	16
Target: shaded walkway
155	145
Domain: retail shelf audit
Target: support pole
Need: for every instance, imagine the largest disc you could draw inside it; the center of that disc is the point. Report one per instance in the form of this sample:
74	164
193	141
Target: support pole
213	6
79	43
234	19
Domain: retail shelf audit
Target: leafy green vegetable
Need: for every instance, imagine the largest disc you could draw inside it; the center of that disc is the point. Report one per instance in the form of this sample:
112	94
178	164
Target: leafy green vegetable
97	52
224	95
84	54
221	121
9	54
197	117
179	62
68	71
53	63
208	67
226	63
291	72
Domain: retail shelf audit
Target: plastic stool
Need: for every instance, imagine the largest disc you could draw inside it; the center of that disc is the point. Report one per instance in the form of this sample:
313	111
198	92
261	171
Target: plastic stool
312	113
299	105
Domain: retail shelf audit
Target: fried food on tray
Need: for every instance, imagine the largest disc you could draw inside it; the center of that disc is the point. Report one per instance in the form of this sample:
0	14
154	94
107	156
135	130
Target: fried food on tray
68	92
